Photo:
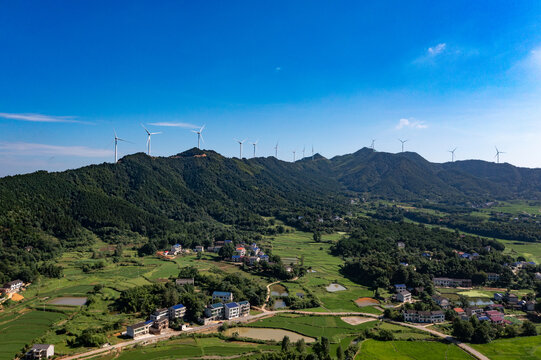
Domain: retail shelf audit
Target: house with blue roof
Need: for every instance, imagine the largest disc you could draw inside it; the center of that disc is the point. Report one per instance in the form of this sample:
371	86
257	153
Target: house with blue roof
215	311
236	258
177	311
244	308
231	310
223	296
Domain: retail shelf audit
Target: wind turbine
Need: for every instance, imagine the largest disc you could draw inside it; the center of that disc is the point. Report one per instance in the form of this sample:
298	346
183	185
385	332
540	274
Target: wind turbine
117	139
403	142
497	156
276	150
255	145
452	154
199	136
294	155
240	144
372	146
149	134
312	152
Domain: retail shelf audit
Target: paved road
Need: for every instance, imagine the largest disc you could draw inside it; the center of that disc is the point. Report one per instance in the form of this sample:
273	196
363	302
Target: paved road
268	313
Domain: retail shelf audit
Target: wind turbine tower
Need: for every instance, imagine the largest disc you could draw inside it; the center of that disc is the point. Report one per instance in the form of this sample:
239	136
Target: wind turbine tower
199	135
276	150
149	135
240	145
373	146
117	139
452	154
255	145
403	142
312	152
294	155
498	152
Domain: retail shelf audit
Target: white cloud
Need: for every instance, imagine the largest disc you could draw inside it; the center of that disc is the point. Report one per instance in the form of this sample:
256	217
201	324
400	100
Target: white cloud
436	50
175	124
22	148
410	123
278	68
41	118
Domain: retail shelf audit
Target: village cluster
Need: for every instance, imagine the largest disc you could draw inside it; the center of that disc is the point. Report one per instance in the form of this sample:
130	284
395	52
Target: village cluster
250	254
222	308
493	312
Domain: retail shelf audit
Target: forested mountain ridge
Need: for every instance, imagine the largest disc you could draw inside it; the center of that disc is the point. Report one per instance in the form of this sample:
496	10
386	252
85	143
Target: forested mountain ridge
190	196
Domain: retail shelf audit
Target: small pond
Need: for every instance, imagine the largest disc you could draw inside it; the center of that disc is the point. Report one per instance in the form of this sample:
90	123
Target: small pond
267	334
278	290
480	301
335	287
69	301
279	304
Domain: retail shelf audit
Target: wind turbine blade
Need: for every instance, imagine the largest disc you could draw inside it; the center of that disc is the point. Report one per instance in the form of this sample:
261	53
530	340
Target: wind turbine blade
201	136
202	127
195	131
148	132
156	133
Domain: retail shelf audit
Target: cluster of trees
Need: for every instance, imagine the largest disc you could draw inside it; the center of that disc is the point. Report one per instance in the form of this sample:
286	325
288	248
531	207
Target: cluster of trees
321	350
374	259
145	299
482	332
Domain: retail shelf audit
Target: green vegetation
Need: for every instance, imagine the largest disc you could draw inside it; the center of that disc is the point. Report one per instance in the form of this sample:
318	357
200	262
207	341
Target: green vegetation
524	348
19	329
420	350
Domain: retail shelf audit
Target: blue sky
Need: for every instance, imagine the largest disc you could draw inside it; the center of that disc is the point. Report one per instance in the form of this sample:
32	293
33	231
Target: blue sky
333	74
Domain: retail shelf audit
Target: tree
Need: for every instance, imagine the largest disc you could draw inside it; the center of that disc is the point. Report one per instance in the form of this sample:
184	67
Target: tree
462	330
482	333
227	251
339	352
300	345
317	236
285	344
528	329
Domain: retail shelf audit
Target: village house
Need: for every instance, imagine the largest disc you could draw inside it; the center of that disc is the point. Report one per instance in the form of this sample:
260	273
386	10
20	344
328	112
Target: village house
241	251
40	351
231	310
177	311
474	311
529	306
493	277
13	286
186	281
199	248
460	313
264	258
159	325
400	245
400	287
441	301
215	311
449	282
223	296
236	258
511	298
175	249
403	296
159	314
139	329
424	316
244	308
498	296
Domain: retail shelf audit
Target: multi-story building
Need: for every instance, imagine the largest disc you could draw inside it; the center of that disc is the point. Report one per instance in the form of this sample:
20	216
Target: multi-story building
159	314
244	308
139	329
231	310
403	296
215	311
13	286
241	251
223	296
175	249
493	277
441	301
159	325
187	281
424	316
177	311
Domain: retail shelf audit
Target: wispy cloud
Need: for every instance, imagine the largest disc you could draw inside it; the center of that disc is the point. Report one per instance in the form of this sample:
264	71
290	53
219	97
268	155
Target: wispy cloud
41	118
175	124
410	123
278	69
436	50
22	148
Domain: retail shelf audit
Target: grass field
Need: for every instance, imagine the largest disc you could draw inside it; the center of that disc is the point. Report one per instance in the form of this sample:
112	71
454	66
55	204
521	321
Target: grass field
189	348
326	267
530	251
524	348
407	350
17	330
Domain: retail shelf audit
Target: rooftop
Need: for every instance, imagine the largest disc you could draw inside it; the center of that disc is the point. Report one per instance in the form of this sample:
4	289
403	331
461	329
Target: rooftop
221	293
177	306
231	305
